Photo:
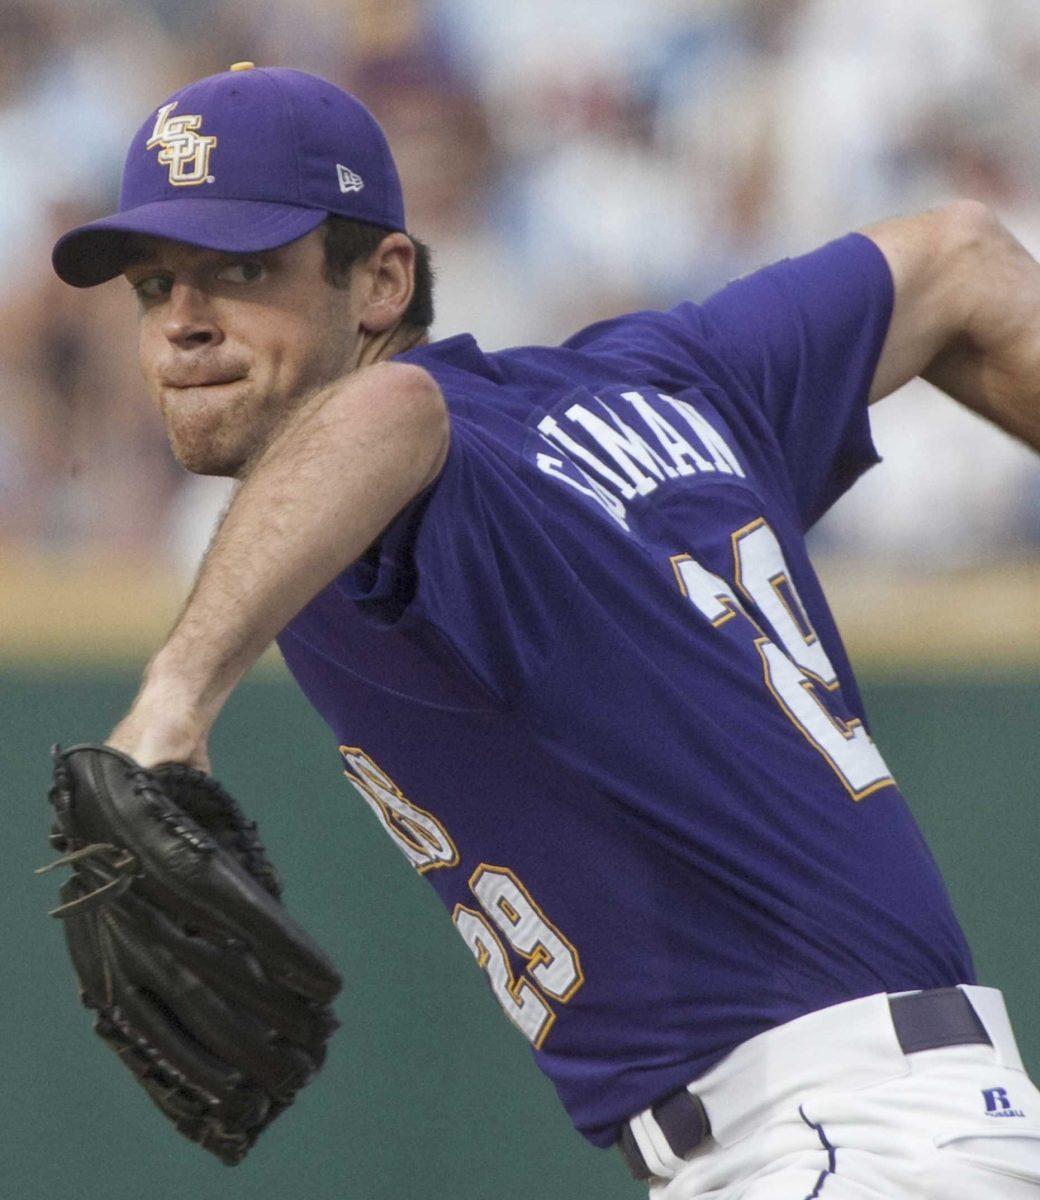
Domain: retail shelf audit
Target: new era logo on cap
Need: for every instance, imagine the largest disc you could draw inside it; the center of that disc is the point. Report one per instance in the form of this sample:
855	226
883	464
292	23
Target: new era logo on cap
348	181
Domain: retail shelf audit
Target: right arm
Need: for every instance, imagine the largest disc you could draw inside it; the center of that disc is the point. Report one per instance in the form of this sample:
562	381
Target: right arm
966	315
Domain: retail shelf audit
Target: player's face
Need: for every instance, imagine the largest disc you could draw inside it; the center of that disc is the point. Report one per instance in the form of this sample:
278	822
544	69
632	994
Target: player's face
230	344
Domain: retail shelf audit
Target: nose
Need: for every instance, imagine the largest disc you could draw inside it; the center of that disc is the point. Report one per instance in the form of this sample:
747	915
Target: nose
189	321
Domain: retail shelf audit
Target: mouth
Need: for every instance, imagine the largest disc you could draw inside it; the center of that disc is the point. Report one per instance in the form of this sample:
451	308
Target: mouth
181	385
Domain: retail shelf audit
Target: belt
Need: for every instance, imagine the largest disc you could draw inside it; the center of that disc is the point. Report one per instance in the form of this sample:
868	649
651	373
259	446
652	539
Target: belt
925	1020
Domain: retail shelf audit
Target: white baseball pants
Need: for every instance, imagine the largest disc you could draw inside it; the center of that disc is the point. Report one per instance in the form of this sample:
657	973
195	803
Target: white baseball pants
828	1107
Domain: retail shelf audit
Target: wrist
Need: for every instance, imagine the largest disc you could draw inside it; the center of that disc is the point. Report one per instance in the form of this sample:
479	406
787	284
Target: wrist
171	716
152	735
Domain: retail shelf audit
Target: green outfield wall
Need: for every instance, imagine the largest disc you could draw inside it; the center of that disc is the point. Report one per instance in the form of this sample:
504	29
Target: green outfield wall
428	1091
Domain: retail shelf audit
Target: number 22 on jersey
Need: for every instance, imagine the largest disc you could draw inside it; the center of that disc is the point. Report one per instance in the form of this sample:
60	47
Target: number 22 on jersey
796	669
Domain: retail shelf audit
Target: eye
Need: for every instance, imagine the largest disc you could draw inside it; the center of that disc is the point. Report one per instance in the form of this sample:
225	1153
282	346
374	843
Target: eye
246	271
152	287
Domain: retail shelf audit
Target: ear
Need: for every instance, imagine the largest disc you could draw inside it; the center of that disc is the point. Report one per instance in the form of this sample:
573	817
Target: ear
387	282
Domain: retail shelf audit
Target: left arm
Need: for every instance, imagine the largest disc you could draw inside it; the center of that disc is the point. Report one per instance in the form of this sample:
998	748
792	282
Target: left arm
966	314
323	491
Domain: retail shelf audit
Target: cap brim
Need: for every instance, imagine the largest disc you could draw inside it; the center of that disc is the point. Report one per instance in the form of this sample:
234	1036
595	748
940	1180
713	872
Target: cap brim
99	251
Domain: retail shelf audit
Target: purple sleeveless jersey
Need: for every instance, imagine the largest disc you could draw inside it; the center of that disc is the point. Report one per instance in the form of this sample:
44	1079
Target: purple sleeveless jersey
588	683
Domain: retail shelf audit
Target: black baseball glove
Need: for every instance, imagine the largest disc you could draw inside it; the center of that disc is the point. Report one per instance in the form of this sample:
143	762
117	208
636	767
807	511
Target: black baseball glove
205	987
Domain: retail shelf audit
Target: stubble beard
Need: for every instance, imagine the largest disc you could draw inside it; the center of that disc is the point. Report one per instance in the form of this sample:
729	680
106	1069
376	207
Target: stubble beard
215	439
227	435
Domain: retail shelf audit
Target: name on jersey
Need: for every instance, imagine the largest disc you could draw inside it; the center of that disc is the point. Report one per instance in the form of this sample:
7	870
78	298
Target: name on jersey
616	449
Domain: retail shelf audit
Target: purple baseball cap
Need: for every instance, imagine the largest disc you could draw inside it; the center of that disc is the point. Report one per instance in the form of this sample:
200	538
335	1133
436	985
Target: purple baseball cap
244	161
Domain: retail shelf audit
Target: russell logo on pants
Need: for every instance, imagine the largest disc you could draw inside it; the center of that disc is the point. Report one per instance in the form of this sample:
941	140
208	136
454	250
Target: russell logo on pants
998	1104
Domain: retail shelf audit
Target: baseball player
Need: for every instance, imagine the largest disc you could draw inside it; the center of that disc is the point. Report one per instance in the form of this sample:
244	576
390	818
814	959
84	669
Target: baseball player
556	607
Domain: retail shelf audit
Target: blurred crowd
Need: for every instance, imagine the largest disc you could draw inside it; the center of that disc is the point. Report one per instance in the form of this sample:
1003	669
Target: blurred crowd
565	162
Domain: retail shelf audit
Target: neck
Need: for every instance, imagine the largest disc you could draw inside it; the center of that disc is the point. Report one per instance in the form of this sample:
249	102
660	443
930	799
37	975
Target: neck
374	348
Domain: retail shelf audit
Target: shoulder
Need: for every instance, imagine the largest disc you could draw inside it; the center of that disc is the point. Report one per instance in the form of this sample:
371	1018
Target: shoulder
407	380
406	392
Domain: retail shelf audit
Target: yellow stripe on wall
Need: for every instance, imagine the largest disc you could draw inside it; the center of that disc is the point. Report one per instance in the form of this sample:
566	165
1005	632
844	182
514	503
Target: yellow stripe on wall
977	620
54	609
84	611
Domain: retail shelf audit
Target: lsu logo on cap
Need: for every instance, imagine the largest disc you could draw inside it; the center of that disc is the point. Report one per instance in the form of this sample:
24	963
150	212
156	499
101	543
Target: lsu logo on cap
184	150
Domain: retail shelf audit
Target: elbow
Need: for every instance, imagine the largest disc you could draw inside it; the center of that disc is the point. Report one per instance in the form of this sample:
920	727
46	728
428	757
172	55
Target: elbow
968	250
969	221
968	232
988	271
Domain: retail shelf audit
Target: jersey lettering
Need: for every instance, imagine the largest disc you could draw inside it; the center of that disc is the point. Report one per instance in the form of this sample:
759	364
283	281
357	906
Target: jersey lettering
614	462
417	834
685	458
721	452
626	448
761	575
521	1001
794	668
558	468
552	962
552	968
